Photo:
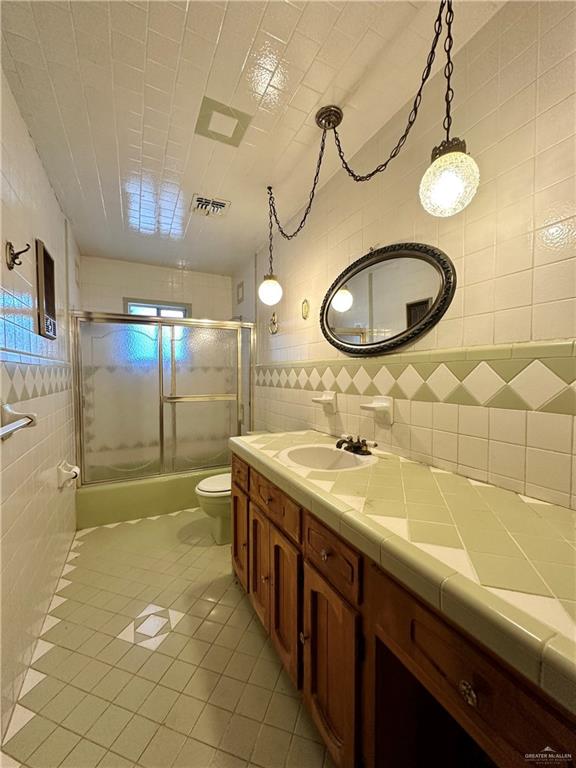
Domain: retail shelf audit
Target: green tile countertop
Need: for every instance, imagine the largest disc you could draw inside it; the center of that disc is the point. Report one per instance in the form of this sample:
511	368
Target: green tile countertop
500	565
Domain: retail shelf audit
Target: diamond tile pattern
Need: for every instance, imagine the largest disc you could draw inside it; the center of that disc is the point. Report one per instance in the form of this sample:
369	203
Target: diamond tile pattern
536	387
23	381
475	528
212	693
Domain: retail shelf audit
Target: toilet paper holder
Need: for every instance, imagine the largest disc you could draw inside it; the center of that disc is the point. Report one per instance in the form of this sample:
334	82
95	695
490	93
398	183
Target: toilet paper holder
67	473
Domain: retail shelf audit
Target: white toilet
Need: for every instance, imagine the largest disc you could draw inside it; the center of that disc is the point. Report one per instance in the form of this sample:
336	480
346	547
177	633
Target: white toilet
214	498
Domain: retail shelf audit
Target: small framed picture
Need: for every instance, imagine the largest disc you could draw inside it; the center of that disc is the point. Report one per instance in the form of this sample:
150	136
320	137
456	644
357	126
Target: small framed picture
240	292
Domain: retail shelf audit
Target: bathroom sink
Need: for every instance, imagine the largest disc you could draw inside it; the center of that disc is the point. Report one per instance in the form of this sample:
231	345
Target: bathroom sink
324	457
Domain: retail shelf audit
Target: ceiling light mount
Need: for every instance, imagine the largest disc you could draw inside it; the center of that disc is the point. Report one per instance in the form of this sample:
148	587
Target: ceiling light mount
329	117
447	146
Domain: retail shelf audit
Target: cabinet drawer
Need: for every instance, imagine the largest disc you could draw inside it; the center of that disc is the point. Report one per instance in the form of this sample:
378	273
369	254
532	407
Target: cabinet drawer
503	712
283	512
334	558
239	473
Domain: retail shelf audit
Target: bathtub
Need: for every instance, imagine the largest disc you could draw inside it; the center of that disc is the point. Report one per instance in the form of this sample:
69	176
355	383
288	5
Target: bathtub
104	503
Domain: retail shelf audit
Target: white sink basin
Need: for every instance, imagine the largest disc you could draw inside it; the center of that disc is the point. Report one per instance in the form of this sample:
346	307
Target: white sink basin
327	458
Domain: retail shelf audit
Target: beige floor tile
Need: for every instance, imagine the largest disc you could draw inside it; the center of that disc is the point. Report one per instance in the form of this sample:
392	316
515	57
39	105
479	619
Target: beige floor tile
84	755
304	753
113	651
50	662
208	631
265	674
91	675
282	712
71	667
106	729
194	650
271	748
112	760
135	738
226	693
162	751
63	703
173	644
133	695
240	736
37	698
226	760
112	684
155	667
95	646
83	716
195	753
29	738
240	666
216	659
211	725
178	675
254	702
158	704
184	714
133	660
54	750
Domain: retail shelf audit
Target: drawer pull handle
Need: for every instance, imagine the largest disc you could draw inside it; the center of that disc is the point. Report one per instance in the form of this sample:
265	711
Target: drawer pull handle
324	555
302	637
468	693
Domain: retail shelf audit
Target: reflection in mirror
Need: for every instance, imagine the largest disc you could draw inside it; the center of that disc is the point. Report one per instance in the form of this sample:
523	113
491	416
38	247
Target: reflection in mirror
383	300
387	298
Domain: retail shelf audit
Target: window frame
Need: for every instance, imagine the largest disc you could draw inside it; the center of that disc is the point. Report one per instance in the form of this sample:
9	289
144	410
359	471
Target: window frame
158	306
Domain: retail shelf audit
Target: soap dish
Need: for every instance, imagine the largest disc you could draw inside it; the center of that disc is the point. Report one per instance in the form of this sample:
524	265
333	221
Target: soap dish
380	405
327	400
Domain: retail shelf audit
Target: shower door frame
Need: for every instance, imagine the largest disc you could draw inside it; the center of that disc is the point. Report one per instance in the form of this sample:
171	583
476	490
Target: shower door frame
78	317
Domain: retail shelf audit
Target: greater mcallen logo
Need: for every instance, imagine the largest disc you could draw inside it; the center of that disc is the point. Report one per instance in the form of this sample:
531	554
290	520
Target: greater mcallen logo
547	756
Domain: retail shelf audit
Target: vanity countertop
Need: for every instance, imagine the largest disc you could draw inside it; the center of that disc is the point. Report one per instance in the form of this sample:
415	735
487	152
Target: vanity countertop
499	565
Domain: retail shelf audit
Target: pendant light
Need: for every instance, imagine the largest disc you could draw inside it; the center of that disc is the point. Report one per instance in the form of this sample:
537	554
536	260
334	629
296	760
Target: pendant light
342	300
452	179
446	188
270	291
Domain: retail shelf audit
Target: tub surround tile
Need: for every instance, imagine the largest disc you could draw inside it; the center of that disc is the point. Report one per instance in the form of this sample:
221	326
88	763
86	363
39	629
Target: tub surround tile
487	557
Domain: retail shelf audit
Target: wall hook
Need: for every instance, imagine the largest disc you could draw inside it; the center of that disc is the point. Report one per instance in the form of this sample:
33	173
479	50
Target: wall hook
273	325
12	259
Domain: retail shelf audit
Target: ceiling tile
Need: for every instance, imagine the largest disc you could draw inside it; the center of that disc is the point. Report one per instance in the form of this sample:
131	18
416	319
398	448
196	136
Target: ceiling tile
128	19
205	18
128	50
280	19
163	50
167	18
17	17
317	20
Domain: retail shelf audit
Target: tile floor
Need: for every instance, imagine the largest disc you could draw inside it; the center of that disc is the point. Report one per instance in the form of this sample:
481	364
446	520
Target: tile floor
151	656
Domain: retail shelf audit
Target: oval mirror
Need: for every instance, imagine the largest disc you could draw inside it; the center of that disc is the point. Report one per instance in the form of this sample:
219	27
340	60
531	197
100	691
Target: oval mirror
388	298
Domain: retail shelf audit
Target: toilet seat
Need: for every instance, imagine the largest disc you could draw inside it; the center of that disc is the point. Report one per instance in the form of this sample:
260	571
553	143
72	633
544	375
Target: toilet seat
216	486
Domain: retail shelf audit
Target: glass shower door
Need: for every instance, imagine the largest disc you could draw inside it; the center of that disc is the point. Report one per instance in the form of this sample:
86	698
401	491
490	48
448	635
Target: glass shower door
201	377
119	396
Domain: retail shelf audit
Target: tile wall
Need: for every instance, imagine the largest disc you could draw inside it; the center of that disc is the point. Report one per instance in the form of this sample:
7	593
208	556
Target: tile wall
104	283
513	248
37	520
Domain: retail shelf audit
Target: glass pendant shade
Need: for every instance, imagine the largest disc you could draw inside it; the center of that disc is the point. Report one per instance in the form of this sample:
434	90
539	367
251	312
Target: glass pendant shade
270	290
449	184
342	300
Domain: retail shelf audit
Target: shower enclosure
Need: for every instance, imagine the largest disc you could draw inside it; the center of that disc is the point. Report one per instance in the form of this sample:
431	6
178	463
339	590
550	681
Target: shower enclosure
156	396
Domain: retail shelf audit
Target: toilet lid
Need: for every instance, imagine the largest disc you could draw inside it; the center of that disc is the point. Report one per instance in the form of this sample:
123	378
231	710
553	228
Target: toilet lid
216	483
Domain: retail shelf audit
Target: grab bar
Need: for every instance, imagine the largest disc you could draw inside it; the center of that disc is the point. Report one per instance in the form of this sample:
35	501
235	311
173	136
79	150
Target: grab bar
12	421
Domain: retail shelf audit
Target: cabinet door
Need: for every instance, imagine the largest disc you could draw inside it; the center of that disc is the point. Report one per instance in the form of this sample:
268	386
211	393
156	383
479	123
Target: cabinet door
240	535
259	564
284	589
330	639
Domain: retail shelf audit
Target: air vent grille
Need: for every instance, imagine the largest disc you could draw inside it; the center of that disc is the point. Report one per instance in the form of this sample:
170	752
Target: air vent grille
209	206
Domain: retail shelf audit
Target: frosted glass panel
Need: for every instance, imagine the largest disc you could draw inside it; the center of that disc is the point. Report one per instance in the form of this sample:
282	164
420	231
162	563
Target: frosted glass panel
120	406
199	361
196	434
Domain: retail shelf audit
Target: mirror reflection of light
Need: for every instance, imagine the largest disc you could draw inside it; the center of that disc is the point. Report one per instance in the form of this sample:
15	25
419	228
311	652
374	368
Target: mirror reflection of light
152	208
342	300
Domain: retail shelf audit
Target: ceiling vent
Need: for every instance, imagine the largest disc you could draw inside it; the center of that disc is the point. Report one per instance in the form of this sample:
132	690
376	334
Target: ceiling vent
208	206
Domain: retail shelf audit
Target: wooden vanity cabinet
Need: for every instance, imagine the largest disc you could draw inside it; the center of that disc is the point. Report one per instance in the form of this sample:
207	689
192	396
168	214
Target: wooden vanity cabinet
450	694
285	602
259	564
239	520
330	636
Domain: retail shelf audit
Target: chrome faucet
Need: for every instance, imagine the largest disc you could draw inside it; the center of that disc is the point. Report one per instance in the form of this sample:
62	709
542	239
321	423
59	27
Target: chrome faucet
358	446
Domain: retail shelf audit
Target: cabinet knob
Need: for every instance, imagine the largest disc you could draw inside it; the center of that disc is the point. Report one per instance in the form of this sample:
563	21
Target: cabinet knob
302	637
244	545
468	693
264	579
324	555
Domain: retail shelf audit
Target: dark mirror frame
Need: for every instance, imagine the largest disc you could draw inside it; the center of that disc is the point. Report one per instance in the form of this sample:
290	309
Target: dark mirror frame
434	256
